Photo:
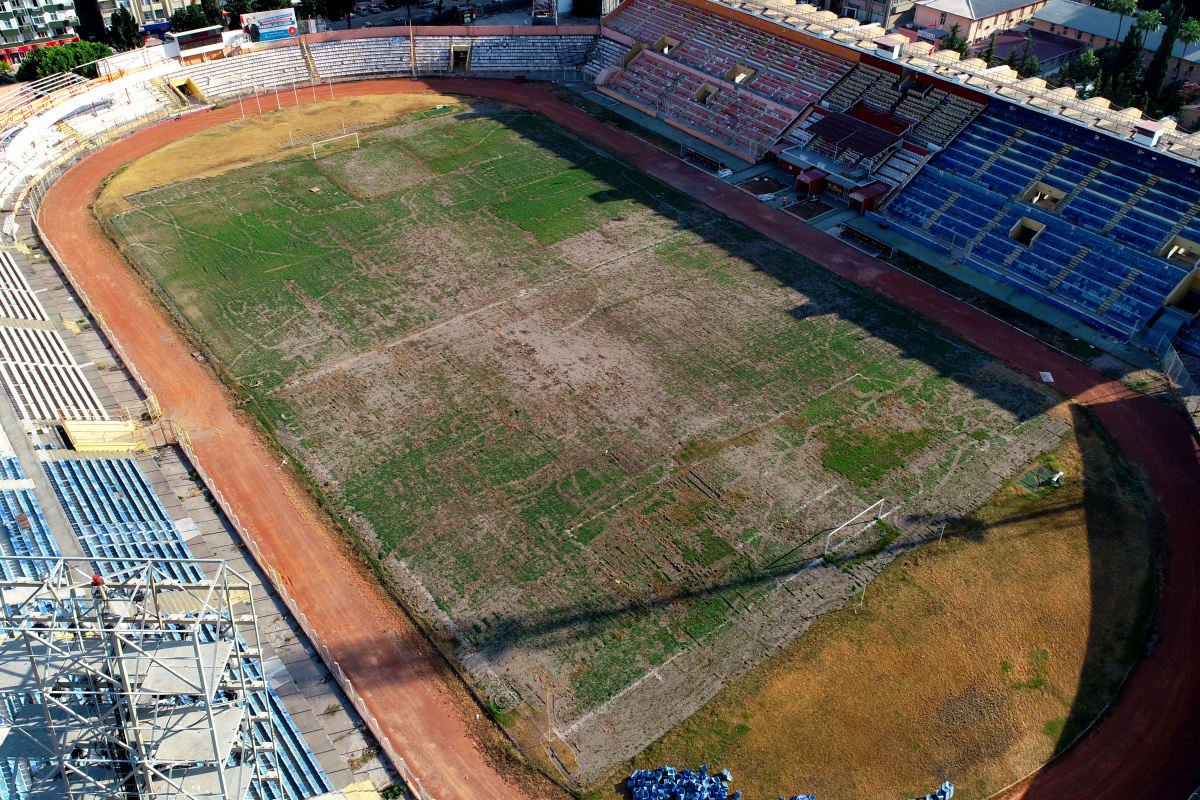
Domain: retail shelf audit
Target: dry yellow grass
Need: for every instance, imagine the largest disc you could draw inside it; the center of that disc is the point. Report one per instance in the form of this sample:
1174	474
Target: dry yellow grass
967	660
258	138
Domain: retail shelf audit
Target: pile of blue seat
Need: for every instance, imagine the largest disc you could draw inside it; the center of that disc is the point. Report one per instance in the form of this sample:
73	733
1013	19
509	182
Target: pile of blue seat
944	792
667	783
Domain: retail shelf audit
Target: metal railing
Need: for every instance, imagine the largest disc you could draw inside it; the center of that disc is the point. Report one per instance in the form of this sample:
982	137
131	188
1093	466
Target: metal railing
1181	379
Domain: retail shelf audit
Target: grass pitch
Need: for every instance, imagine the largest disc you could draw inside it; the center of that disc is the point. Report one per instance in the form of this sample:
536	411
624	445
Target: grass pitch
597	431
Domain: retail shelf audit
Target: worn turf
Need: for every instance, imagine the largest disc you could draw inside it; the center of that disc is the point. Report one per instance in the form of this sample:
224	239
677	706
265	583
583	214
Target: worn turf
595	429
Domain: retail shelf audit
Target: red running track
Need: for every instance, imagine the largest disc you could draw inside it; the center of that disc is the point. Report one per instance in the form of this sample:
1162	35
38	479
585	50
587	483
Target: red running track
1148	745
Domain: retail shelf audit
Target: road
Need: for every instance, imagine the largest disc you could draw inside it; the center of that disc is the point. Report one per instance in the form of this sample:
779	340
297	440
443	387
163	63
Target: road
1146	746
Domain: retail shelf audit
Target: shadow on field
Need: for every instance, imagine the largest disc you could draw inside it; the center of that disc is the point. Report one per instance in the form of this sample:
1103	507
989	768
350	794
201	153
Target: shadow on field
1115	500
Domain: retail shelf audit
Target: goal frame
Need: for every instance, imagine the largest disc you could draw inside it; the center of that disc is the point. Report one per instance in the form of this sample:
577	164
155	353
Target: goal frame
357	143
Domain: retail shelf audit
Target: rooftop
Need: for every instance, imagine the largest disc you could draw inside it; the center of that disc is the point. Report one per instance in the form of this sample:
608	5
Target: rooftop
975	9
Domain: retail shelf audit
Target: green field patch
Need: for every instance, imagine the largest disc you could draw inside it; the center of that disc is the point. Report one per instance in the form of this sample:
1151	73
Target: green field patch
866	455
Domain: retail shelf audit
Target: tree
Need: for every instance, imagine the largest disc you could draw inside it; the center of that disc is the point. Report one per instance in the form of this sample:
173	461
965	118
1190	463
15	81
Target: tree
1147	22
1028	66
212	12
988	54
236	8
1085	69
1014	60
332	10
1156	73
1189	35
46	61
189	18
123	33
951	40
1123	8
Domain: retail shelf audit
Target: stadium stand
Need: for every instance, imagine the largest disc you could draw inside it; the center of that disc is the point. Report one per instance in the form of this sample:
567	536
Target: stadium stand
720	110
1099	226
115	514
784	70
506	55
361	57
937	114
528	54
26	532
17	300
606	54
255	71
43	378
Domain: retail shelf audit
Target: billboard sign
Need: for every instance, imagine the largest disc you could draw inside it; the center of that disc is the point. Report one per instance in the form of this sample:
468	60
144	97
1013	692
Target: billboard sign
195	39
271	26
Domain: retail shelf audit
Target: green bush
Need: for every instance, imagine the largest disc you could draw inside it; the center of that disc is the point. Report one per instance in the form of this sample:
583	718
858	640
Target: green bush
46	61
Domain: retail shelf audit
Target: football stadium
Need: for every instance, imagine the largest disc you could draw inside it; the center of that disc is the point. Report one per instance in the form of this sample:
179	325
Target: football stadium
719	399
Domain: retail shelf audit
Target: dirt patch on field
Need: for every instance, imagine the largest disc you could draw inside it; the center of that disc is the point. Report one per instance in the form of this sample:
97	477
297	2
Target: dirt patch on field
972	660
257	138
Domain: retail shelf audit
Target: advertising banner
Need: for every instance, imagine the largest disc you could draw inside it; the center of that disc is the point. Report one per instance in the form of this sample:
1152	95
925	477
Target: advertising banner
270	26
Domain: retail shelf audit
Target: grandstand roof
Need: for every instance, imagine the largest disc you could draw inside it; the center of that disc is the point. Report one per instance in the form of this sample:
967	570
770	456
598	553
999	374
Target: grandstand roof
863	138
975	9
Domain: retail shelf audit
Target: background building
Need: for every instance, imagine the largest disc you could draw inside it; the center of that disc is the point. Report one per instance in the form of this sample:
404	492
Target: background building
1097	28
25	24
976	19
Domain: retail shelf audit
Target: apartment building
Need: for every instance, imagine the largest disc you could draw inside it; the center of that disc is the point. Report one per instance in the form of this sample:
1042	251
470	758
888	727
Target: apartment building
26	24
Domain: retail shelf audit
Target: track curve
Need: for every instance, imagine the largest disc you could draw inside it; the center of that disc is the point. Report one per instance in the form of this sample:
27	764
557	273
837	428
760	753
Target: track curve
1146	746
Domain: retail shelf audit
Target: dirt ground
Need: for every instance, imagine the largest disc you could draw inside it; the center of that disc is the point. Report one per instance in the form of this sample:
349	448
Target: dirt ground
973	660
260	138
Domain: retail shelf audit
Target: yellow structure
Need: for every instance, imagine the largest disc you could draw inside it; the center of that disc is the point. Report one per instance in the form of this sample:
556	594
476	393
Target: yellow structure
92	437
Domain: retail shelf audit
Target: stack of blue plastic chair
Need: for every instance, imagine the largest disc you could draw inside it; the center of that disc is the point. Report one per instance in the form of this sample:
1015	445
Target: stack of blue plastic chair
666	783
944	792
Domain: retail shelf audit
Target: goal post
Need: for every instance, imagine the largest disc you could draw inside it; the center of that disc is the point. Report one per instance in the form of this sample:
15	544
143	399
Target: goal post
326	143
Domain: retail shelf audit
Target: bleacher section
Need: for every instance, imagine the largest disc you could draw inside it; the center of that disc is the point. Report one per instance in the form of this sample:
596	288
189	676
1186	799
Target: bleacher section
256	71
606	54
785	70
939	115
733	116
116	515
366	57
528	54
1099	254
42	377
17	300
26	533
515	55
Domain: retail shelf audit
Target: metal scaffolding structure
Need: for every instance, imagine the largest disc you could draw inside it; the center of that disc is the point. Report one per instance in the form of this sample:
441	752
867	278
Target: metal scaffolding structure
118	681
